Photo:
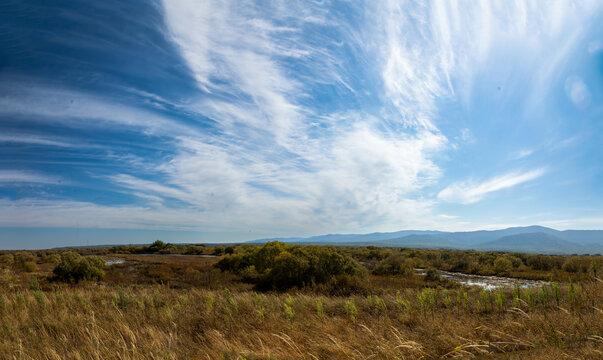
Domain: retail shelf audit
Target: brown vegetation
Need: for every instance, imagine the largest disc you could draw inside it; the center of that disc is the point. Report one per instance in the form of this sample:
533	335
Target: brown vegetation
183	307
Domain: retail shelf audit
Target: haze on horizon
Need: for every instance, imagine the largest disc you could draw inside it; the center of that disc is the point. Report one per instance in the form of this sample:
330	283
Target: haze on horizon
205	121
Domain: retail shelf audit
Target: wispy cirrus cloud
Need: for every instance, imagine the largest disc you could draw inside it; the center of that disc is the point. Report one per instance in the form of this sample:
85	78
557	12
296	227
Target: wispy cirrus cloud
42	103
469	192
305	118
12	177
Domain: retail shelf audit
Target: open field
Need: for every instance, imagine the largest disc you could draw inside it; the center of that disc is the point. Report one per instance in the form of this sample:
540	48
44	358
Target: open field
167	306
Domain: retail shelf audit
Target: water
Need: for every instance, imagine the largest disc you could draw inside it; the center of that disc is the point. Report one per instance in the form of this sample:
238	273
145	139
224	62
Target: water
485	282
110	262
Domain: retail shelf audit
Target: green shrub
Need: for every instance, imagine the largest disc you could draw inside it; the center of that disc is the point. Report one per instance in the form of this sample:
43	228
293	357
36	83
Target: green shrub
30	266
556	292
402	303
377	304
288	308
502	265
394	264
428	298
260	309
432	275
7	259
447	298
51	259
73	268
351	310
319	309
276	265
501	299
572	265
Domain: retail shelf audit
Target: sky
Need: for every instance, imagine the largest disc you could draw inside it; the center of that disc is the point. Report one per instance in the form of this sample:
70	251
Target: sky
217	121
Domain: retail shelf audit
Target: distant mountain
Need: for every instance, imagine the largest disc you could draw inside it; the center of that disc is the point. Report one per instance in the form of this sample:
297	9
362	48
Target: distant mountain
583	237
533	242
350	238
423	241
531	239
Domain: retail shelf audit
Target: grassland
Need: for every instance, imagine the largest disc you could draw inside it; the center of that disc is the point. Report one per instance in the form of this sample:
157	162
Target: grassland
165	306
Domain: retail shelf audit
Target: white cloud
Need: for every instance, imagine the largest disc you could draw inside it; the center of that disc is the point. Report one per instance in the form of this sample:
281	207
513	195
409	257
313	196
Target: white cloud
56	213
33	140
469	192
523	154
55	105
18	176
275	161
271	165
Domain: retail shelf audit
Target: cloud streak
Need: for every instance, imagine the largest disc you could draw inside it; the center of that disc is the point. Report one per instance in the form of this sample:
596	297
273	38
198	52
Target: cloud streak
469	192
12	177
303	118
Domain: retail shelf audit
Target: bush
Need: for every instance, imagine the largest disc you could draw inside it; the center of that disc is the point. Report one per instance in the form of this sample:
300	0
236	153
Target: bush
51	259
7	259
394	264
575	265
30	266
74	268
432	275
276	265
502	265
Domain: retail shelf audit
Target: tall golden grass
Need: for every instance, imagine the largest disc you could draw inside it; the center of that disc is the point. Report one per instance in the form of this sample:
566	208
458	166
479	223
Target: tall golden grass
96	321
182	307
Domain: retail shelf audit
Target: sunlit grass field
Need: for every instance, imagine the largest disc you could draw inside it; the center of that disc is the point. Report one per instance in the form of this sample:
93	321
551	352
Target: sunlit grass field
182	307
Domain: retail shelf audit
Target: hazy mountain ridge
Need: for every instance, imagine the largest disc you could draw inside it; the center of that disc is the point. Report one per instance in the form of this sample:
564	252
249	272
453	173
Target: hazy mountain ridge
531	239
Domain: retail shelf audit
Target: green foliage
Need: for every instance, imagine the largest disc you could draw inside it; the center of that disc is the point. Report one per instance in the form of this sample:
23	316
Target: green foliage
516	295
276	265
319	309
51	259
402	303
34	285
260	309
556	292
30	266
486	300
7	259
40	299
209	301
74	268
377	304
530	298
571	265
231	304
351	310
394	264
122	302
447	298
502	265
543	295
501	299
288	308
428	299
432	275
573	293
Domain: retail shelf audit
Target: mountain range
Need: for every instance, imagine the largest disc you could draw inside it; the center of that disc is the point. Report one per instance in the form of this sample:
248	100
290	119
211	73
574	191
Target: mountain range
529	239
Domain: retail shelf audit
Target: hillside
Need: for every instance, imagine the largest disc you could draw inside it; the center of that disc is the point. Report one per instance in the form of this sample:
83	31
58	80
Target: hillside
532	239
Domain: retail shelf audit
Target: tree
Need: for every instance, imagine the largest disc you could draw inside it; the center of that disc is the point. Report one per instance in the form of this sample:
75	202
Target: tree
73	268
502	265
276	265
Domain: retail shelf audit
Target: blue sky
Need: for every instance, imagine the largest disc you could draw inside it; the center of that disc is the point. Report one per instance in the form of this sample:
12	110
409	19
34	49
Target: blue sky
123	122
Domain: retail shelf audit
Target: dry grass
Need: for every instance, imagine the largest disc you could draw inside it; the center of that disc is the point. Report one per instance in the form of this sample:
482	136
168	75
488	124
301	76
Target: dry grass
177	307
94	321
